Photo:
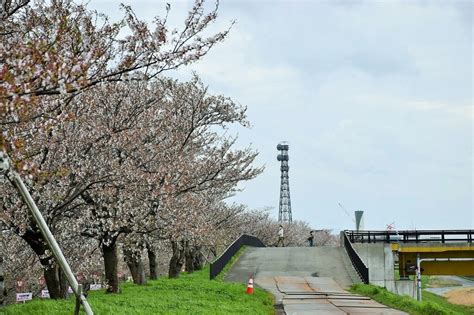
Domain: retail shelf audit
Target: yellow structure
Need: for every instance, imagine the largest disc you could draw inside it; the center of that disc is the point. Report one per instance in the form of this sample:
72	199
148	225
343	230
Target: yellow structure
435	258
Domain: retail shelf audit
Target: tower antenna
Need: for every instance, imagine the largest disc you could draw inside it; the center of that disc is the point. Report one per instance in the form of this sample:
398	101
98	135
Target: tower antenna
284	214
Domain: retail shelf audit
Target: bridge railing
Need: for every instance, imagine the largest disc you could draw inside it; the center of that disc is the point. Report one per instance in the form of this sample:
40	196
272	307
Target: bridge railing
356	261
244	240
411	236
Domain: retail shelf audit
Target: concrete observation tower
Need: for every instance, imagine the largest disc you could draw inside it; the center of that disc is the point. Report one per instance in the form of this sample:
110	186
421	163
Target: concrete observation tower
284	214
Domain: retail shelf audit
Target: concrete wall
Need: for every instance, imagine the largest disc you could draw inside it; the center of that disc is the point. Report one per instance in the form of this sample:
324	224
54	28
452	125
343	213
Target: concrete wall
379	259
374	257
405	287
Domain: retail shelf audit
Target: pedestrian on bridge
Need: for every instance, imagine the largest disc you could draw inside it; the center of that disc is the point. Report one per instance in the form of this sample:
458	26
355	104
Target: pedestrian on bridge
280	237
311	239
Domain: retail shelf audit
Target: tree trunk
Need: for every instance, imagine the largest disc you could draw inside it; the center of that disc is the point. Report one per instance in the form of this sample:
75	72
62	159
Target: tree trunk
137	271
51	271
109	253
189	258
135	264
152	263
63	283
199	258
56	282
176	261
52	282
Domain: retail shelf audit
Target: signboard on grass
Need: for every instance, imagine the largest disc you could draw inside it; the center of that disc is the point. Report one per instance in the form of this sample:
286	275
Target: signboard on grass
22	297
94	286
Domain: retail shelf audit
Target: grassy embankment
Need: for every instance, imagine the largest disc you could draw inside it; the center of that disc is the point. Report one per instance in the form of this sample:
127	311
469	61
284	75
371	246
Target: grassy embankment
190	294
432	304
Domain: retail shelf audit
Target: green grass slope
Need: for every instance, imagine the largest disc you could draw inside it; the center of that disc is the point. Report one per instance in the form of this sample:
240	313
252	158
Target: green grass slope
190	294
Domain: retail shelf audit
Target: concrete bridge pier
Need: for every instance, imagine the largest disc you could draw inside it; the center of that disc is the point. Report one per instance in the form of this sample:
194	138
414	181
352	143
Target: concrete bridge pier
379	258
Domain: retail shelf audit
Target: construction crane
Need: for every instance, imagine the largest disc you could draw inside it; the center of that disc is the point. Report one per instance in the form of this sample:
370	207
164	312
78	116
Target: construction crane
357	219
346	212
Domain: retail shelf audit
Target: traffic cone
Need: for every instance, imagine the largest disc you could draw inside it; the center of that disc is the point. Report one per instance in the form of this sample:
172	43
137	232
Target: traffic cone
250	286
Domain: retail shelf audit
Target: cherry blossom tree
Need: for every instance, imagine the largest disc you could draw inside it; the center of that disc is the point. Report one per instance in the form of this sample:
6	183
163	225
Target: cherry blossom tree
61	48
129	162
196	165
50	53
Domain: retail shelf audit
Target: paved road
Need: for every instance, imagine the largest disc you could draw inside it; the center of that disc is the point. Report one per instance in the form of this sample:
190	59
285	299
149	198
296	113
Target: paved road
323	296
305	280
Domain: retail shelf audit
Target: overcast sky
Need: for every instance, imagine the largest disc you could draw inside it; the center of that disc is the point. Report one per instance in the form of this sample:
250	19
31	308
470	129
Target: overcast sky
374	98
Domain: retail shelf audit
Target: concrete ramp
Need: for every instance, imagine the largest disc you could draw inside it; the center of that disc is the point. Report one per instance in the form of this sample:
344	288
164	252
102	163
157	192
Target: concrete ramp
306	280
294	285
325	261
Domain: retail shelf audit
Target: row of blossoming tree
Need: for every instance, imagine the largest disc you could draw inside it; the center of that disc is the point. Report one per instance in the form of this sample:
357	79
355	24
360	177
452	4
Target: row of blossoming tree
115	154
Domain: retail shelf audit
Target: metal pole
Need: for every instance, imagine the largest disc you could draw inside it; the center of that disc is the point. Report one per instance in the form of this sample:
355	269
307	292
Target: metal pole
77	309
1	282
53	245
418	277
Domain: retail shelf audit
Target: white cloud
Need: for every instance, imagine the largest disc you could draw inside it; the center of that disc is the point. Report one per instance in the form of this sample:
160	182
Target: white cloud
374	97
